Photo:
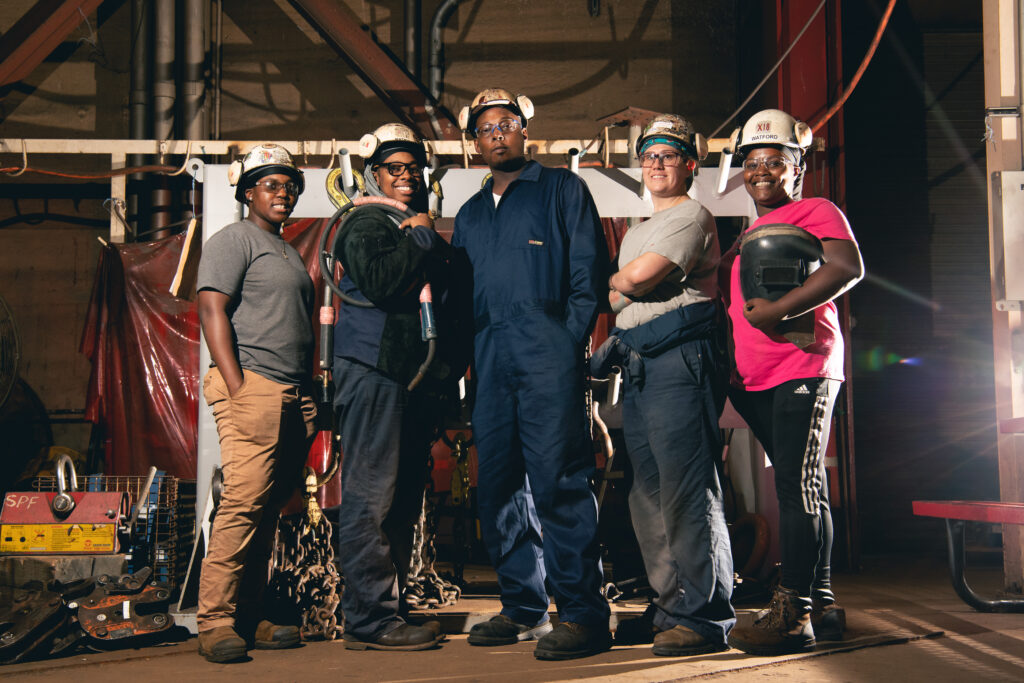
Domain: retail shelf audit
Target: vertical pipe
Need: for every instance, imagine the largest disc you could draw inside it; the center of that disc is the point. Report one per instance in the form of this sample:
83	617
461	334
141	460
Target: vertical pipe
140	113
192	98
218	61
163	103
192	119
436	59
412	37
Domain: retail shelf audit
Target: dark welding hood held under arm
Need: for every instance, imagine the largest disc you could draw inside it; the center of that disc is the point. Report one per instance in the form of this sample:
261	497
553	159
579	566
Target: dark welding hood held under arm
775	259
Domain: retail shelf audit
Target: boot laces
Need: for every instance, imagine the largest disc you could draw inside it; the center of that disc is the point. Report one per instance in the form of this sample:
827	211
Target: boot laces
775	616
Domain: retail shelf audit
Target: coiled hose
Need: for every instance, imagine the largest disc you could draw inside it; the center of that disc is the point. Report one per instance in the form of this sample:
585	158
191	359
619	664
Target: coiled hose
400	211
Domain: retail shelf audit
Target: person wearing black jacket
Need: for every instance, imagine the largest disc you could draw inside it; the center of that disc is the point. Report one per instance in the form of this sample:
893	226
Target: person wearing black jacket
386	430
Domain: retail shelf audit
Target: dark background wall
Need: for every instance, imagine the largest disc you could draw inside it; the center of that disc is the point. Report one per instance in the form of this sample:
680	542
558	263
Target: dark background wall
916	197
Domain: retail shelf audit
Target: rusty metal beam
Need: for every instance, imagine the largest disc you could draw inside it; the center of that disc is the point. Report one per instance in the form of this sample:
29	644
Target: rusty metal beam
402	93
38	33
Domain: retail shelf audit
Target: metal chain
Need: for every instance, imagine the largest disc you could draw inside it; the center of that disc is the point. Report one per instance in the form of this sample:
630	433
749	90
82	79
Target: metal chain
424	588
304	573
461	499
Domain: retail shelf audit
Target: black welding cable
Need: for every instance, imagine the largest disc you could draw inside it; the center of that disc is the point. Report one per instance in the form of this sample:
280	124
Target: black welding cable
401	212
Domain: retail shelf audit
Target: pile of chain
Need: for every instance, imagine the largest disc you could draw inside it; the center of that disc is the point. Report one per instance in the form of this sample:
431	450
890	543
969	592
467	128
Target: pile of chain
303	573
425	588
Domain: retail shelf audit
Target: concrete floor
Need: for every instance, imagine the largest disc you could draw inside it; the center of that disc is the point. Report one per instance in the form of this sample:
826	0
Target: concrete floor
904	624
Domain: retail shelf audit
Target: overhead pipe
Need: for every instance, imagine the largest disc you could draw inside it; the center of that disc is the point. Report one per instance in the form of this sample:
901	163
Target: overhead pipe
436	60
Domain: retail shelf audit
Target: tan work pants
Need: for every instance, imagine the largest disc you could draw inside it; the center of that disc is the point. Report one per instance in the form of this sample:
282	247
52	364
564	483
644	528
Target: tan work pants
265	432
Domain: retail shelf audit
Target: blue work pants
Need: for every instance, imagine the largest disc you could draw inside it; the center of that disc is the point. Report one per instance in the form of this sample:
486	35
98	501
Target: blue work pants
529	422
385	434
670	425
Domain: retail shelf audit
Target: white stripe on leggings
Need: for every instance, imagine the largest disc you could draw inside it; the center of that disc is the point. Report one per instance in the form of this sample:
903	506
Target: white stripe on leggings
810	484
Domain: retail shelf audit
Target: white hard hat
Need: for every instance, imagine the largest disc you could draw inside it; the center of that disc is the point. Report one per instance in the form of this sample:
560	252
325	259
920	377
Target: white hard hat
520	105
392	136
772	127
260	161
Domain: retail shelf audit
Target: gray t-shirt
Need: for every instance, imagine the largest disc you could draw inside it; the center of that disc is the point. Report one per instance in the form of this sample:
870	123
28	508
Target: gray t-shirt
686	235
271	299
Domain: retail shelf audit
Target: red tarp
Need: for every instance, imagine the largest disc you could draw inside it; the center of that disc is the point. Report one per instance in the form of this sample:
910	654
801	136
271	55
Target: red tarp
144	348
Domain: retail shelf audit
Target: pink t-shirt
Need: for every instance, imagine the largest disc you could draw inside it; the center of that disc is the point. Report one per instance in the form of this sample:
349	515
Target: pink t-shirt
764	361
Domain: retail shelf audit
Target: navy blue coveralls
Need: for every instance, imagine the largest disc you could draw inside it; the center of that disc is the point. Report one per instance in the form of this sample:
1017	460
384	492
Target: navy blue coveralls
386	431
539	265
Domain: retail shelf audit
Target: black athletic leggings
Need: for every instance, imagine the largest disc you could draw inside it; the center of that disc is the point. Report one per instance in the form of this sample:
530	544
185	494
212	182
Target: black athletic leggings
792	422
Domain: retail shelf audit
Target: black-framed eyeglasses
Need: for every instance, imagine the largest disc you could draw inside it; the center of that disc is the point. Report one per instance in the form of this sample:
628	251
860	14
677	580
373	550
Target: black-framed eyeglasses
273	186
771	163
504	126
397	168
667	159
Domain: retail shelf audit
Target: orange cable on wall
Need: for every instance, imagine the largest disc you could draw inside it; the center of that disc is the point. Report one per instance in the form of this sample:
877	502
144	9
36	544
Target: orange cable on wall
860	70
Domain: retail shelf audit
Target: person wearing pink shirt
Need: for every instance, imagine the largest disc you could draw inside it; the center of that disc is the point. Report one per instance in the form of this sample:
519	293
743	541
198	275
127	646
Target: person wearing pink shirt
785	391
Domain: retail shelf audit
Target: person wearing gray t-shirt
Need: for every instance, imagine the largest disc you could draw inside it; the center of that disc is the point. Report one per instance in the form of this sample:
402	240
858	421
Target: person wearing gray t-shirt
665	294
255	306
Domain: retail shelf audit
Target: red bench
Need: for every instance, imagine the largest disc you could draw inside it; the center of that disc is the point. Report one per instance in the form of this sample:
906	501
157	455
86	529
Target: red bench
957	513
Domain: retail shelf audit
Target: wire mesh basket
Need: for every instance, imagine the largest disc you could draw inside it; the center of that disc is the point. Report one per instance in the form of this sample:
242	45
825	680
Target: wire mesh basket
165	529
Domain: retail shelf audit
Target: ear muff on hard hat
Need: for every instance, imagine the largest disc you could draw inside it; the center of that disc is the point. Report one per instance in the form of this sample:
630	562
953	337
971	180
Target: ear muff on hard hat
259	162
520	105
773	127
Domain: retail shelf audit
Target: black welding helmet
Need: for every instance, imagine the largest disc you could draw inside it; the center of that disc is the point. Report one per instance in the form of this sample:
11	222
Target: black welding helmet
775	259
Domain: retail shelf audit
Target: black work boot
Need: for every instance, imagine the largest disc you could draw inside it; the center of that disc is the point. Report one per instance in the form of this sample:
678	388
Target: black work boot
570	640
405	637
501	630
636	631
828	619
782	629
221	645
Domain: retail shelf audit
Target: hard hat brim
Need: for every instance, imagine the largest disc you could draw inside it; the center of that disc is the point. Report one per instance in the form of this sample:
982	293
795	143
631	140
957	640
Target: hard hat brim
252	177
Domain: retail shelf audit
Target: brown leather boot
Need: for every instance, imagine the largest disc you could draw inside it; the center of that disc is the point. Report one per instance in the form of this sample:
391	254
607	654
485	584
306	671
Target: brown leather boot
221	645
782	629
680	641
271	636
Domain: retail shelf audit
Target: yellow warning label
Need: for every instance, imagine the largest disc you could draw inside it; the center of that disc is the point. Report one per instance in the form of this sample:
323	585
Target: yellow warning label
58	538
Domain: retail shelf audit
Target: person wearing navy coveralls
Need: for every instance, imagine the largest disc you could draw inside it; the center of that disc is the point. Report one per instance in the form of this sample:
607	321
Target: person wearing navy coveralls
538	264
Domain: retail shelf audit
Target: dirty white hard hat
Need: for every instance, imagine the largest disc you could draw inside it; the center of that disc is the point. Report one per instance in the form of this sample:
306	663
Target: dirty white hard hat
520	105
